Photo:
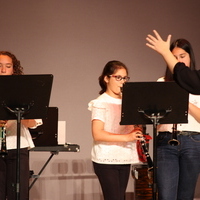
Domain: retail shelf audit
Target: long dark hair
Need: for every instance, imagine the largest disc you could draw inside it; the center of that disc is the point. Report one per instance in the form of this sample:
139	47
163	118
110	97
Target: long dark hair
17	68
185	45
110	68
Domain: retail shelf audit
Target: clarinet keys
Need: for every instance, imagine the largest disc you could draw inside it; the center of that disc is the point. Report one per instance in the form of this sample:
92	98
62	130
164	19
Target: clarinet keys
3	151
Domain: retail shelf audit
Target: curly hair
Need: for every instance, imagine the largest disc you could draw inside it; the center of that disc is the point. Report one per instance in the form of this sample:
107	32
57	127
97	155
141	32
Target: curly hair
17	68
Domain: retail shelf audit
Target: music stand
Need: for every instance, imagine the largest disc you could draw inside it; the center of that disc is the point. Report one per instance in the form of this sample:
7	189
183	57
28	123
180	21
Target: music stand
47	133
154	103
24	97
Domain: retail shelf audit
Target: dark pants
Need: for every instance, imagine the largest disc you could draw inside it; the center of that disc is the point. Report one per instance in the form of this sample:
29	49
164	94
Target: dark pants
8	175
113	180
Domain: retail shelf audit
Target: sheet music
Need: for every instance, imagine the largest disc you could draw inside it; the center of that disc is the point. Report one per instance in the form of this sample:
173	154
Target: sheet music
61	132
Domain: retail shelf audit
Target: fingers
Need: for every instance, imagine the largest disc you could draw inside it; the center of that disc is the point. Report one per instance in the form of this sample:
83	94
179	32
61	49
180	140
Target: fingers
157	43
151	46
135	135
138	129
169	39
138	136
157	35
2	123
151	41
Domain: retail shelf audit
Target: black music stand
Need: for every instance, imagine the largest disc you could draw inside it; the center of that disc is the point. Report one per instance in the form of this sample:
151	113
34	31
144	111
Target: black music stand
24	97
154	103
47	133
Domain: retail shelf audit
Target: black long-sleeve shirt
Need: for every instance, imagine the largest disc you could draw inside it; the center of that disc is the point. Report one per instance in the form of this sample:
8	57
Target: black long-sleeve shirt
187	78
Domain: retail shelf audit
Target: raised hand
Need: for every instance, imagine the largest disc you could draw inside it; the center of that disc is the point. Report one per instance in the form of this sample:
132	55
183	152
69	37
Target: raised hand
157	43
162	47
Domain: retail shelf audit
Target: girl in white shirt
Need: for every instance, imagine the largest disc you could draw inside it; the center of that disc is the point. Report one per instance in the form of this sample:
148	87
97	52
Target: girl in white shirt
9	65
114	146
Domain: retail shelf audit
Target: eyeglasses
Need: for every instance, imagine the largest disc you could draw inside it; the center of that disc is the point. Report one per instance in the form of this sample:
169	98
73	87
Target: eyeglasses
119	78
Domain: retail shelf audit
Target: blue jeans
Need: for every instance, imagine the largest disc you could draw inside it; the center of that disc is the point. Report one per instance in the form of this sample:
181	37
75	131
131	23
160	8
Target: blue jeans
178	167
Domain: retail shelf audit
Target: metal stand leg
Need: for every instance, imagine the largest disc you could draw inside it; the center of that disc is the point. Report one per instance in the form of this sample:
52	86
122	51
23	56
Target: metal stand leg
155	117
37	176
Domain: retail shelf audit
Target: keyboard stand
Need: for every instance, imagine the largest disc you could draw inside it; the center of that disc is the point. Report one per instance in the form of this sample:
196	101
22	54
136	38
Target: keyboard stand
54	150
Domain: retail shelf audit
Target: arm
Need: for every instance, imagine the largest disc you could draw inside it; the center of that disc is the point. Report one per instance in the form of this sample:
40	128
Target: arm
184	76
187	78
162	47
194	111
29	123
99	134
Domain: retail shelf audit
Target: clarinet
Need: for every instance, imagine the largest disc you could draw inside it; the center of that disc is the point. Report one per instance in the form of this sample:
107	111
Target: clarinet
3	151
145	148
146	153
174	141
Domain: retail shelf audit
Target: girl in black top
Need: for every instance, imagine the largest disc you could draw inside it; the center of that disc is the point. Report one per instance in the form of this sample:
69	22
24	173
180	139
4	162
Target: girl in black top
186	77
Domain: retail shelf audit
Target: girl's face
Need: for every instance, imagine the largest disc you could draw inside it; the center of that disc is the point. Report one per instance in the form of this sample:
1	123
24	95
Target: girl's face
113	85
181	55
6	65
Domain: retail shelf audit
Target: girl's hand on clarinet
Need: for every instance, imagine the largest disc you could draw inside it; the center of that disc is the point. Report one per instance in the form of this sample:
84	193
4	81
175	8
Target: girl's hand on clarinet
136	134
3	123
